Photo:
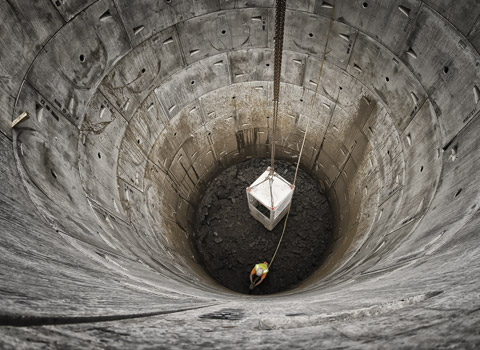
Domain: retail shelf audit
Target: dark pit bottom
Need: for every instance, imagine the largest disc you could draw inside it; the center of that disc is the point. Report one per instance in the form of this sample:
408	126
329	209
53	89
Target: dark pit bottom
230	241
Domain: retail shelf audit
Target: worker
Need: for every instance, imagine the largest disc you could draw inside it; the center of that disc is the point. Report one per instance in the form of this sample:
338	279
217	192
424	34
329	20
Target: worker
261	271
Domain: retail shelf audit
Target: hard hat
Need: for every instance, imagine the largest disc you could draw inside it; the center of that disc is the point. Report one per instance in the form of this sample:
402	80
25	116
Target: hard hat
259	271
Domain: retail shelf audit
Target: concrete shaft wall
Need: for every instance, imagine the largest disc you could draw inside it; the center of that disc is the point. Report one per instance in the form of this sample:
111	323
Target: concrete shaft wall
135	105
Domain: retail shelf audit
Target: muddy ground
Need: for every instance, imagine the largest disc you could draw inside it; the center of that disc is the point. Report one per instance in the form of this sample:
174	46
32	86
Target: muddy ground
230	242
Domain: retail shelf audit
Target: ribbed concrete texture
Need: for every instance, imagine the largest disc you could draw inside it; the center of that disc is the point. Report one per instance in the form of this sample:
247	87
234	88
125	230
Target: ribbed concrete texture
134	106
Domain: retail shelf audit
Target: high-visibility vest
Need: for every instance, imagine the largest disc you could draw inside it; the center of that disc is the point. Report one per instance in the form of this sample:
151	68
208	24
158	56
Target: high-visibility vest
262	266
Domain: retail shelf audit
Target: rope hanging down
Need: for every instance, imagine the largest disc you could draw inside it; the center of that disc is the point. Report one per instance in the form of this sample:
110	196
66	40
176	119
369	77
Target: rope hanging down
277	81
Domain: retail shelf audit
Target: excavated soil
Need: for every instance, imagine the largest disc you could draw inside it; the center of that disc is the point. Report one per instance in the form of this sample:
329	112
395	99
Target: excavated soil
230	241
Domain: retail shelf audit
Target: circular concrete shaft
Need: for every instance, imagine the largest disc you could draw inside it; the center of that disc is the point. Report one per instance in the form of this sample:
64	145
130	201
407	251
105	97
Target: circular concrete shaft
133	106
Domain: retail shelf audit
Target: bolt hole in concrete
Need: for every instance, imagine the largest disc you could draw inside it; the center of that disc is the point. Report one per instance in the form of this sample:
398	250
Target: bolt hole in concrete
310	35
224	32
365	5
445	69
387	79
230	242
82	58
143	70
99	155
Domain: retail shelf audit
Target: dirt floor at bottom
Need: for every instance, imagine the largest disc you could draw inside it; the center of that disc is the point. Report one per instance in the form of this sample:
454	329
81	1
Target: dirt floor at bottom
230	241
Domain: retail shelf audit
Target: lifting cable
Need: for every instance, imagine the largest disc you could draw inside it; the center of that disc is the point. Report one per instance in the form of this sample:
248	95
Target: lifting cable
276	83
277	71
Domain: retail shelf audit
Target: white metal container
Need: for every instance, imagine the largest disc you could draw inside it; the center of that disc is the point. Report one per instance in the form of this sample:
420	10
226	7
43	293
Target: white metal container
268	198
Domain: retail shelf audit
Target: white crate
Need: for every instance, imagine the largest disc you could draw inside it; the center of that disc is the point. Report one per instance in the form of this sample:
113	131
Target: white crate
268	198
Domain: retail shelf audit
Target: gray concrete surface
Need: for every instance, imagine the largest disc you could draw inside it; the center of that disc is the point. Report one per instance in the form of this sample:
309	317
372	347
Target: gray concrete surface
135	105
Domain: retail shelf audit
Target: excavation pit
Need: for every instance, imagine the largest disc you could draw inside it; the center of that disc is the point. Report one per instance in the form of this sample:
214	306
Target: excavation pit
101	182
230	241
